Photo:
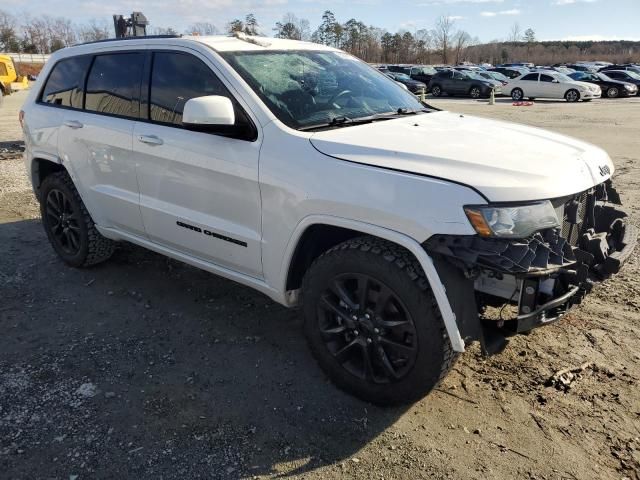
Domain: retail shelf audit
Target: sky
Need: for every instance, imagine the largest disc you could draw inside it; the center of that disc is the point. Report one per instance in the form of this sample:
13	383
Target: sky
486	19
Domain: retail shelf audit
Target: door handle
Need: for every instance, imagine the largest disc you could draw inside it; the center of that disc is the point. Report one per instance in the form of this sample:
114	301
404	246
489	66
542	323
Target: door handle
150	140
73	124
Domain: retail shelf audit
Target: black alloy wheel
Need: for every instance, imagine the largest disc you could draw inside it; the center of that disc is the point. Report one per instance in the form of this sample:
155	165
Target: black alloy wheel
63	222
367	328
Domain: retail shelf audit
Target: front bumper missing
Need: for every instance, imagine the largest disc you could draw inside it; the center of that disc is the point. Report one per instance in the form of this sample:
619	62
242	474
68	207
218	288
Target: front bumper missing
546	274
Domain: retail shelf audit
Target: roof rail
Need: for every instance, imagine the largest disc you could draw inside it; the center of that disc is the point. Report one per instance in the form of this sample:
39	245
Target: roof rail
106	40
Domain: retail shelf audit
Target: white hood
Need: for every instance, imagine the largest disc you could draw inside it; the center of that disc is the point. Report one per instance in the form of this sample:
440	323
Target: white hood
504	161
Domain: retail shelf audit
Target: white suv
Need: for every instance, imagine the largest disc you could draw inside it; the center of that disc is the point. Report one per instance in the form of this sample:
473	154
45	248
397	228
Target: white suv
302	172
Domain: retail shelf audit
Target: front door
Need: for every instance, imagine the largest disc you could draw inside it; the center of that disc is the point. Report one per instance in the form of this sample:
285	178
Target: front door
199	192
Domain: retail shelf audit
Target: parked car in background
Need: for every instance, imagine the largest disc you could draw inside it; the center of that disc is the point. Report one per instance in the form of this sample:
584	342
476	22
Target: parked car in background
419	73
610	88
551	85
517	65
628	66
413	85
510	72
565	70
582	67
624	76
456	82
495	76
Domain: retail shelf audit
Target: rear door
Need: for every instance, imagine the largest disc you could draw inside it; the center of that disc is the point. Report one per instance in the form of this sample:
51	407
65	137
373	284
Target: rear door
199	192
95	142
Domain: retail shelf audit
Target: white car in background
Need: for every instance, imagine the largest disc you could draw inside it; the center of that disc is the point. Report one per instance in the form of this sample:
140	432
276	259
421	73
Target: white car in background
551	84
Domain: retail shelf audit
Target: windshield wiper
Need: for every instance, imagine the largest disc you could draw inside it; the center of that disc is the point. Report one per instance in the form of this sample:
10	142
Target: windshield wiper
343	121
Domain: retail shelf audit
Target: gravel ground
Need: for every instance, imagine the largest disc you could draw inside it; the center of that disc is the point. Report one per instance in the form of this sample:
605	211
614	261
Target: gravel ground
145	367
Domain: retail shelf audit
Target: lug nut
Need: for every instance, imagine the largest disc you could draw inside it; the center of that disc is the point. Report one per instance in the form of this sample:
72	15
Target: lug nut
356	333
376	330
369	340
366	315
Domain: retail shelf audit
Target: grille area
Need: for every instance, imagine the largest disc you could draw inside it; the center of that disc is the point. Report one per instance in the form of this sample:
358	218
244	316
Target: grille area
573	213
541	251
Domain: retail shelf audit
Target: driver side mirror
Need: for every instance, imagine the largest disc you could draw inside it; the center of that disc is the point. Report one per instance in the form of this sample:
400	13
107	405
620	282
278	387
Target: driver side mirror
208	113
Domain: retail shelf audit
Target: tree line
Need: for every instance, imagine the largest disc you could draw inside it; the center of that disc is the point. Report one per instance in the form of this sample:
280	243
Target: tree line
444	43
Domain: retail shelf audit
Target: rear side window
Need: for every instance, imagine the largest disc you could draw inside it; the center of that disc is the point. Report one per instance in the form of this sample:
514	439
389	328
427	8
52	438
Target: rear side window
64	86
176	78
546	78
113	86
531	77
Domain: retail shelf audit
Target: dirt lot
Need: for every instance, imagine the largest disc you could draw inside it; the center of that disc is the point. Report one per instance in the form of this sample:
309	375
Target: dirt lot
145	367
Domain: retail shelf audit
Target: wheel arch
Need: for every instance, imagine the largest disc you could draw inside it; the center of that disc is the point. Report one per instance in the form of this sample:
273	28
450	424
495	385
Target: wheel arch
305	246
41	168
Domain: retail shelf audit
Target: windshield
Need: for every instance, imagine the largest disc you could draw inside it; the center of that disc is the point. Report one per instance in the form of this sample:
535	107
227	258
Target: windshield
633	74
307	88
562	77
499	76
425	70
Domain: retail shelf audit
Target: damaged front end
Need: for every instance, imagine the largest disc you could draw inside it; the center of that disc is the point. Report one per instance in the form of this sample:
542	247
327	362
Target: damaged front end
503	286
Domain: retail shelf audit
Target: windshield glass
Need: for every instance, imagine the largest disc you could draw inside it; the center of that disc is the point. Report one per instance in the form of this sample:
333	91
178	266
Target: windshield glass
562	77
306	88
633	74
499	76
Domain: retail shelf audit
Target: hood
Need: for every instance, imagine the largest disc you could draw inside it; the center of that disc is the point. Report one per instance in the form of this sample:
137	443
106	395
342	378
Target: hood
505	162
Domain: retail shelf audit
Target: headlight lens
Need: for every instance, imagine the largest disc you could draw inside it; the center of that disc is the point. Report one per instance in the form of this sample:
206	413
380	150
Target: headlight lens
512	221
629	87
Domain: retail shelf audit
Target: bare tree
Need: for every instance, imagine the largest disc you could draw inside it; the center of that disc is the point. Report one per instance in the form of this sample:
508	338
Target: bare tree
202	28
461	41
292	27
443	34
9	41
515	34
93	31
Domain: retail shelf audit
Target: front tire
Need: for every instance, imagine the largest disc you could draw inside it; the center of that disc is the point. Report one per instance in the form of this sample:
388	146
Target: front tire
69	226
572	96
517	94
373	324
613	92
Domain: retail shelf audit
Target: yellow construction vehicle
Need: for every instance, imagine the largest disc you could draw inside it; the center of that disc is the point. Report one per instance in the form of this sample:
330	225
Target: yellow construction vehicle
9	79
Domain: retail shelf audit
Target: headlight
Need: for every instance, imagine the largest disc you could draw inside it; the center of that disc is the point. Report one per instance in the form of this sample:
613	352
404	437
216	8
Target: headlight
512	221
629	87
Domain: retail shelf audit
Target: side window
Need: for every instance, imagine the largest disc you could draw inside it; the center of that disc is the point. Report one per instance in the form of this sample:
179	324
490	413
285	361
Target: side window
546	78
531	77
64	86
458	76
113	86
176	78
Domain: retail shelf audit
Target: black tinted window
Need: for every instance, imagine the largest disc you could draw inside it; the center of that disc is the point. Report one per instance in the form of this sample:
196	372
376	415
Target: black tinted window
64	85
113	85
176	78
546	78
531	76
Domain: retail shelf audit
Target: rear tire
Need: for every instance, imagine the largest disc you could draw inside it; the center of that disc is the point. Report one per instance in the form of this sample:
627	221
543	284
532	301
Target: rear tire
475	92
572	96
436	91
373	324
69	226
517	94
